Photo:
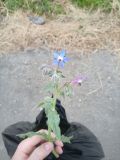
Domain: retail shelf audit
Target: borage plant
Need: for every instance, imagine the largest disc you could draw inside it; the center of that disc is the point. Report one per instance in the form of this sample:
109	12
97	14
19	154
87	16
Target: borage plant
56	90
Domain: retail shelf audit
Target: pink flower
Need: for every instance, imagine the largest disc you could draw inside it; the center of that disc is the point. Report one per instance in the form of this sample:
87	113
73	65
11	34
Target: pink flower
78	80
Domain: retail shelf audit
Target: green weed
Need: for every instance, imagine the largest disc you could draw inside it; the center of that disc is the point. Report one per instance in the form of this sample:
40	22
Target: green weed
94	4
47	7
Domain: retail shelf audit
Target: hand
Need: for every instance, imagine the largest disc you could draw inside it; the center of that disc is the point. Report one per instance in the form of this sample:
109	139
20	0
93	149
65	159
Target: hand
35	148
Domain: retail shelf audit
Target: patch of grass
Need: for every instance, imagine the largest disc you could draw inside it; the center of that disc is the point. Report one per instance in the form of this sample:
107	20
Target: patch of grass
48	7
106	5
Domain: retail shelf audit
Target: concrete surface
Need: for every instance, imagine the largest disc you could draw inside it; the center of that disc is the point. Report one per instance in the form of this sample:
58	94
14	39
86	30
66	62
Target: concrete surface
96	104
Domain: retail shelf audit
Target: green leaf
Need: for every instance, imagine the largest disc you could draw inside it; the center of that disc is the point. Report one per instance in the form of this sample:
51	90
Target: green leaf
52	115
50	73
40	104
53	122
27	135
68	90
50	87
62	94
49	104
44	136
65	139
60	74
58	71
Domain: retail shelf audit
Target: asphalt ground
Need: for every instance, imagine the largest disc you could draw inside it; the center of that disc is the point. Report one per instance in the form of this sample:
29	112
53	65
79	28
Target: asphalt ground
96	104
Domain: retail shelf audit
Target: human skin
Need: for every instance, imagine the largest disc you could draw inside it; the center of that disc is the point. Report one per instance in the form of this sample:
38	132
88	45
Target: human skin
27	149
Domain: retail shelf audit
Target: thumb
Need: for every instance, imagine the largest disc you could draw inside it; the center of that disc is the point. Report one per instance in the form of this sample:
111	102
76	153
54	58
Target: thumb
42	151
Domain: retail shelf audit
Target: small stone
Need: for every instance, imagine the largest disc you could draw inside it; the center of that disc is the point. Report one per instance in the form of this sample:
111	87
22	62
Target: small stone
109	78
37	20
26	62
110	98
15	111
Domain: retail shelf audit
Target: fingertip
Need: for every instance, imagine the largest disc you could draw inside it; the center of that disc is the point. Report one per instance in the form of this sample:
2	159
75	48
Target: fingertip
48	146
59	150
59	143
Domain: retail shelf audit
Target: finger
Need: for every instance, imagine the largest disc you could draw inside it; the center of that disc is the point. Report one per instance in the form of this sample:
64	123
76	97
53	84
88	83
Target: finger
42	151
29	144
59	143
58	149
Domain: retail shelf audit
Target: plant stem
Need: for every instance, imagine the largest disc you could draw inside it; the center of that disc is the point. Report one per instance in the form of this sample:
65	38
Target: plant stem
55	154
58	66
49	132
50	140
55	94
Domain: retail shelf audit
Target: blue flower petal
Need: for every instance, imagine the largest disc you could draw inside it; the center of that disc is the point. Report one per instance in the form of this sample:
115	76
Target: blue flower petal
65	59
56	55
62	53
60	58
55	62
61	64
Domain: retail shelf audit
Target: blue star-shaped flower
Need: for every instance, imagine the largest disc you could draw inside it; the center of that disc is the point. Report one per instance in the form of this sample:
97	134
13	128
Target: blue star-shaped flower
59	58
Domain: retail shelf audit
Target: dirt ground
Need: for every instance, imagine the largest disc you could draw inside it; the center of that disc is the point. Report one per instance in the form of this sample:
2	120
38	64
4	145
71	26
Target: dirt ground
77	30
96	104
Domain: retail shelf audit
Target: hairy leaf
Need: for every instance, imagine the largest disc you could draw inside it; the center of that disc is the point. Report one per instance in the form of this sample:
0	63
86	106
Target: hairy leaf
40	104
60	74
53	122
31	134
50	87
65	139
68	90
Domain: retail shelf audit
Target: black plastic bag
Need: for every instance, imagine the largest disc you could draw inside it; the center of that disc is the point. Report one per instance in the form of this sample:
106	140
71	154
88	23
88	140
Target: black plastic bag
84	145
